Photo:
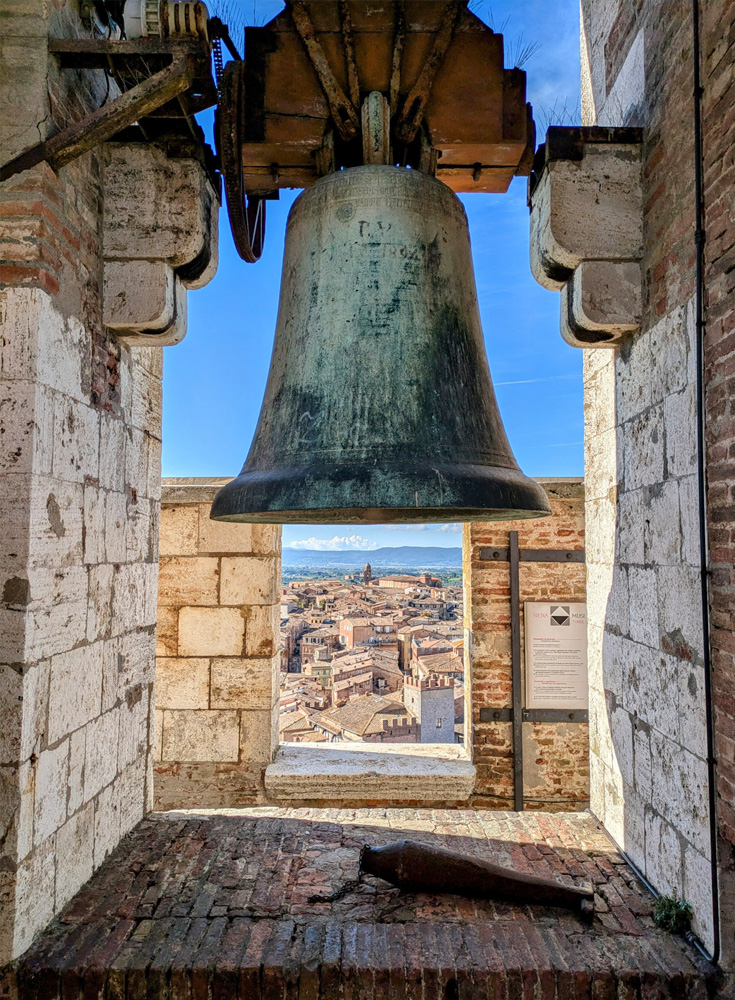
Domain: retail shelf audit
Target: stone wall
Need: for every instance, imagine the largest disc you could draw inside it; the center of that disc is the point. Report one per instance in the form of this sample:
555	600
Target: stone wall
556	768
80	459
80	451
218	660
648	725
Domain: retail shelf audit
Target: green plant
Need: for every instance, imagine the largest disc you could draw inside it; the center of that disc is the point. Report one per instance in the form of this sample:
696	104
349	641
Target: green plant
672	914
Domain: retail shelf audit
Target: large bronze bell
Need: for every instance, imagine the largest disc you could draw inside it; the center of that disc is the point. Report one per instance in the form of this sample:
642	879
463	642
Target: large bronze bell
379	405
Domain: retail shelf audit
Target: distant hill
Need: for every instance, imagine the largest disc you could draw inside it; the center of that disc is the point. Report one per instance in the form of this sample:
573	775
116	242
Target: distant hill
399	557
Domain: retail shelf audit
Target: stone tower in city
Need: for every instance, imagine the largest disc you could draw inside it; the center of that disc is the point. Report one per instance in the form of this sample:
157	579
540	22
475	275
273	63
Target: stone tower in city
367	575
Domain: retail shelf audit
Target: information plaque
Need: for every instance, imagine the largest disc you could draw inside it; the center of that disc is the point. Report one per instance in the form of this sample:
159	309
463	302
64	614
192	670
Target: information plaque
556	655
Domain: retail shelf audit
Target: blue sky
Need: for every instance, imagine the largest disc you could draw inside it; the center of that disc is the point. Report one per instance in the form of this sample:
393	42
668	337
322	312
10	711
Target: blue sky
214	380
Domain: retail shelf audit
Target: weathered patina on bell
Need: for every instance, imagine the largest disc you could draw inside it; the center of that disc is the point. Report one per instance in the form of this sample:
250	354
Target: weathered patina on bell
379	405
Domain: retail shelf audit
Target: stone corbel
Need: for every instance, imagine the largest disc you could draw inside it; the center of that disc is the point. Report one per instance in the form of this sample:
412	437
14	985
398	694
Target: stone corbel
159	239
585	197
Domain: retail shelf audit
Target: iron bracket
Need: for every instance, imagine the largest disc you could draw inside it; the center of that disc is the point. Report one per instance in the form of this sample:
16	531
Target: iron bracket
108	120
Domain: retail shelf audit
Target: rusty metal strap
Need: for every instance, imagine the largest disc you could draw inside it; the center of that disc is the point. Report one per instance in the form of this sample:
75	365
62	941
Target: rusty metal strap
414	107
341	108
399	39
348	42
108	120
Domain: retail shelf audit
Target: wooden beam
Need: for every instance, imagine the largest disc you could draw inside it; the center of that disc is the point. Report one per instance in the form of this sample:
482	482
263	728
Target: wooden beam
108	120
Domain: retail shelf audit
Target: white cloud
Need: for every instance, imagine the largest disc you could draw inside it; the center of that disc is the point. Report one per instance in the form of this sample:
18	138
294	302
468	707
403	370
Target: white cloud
421	527
336	544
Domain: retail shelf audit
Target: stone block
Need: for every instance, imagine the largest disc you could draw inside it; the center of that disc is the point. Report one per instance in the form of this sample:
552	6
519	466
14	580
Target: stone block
25	814
601	468
191	580
106	822
141	530
643	604
643	448
680	617
167	632
133	597
100	601
56	522
76	440
250	580
77	758
136	460
241	683
223	536
115	527
663	855
587	210
133	794
633	365
182	682
76	690
112	453
662	525
262	630
74	854
201	736
102	743
94	524
211	632
692	716
26	428
601	303
267	539
146	400
259	735
136	660
697	891
11	712
157	733
679	792
670	349
52	771
140	301
630	526
36	678
680	422
689	514
169	219
179	530
34	895
133	733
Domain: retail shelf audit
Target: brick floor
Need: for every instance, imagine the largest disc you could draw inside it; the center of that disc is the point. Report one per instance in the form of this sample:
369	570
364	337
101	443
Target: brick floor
195	906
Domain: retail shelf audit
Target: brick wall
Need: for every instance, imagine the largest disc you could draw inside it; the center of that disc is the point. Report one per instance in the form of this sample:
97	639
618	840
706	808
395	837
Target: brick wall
556	771
648	726
718	110
218	660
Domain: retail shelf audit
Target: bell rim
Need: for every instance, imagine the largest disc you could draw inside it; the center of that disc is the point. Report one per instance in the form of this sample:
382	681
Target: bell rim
460	492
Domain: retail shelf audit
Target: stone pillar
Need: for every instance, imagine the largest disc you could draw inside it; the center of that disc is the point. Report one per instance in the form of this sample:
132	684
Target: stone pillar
80	451
556	761
218	659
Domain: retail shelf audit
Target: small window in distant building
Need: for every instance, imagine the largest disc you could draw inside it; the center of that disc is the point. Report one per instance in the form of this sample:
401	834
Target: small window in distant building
438	723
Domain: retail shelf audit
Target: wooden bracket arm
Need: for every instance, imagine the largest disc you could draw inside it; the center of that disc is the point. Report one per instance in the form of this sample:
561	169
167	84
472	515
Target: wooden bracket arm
108	120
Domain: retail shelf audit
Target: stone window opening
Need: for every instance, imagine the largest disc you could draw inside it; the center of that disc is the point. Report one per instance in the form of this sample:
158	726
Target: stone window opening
219	666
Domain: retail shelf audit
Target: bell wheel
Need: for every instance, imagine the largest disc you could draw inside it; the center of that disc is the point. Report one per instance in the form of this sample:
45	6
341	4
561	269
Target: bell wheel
246	213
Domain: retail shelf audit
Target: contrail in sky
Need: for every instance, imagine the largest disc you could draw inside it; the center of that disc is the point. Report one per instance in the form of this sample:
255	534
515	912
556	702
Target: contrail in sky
546	378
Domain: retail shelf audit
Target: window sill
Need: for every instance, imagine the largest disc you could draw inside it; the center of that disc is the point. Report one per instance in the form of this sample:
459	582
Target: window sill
427	772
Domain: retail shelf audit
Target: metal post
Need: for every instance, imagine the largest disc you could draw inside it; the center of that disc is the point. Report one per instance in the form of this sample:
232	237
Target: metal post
515	662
